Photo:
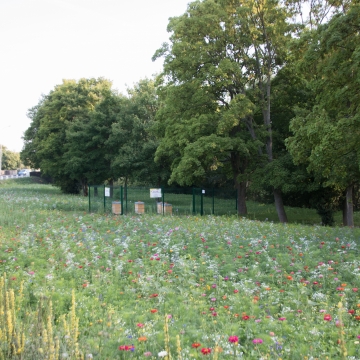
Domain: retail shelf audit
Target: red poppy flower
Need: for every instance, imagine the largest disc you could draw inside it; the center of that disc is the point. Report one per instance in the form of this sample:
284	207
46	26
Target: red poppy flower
206	351
195	345
126	347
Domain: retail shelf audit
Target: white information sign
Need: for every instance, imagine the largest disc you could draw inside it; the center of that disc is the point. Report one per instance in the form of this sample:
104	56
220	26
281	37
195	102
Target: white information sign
155	193
107	191
203	191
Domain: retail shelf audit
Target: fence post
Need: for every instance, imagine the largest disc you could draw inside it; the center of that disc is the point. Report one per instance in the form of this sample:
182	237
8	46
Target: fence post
213	201
126	198
104	198
122	200
236	200
163	200
89	199
193	191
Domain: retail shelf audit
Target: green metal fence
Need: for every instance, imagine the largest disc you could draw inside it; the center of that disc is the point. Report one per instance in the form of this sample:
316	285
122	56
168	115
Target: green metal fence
167	201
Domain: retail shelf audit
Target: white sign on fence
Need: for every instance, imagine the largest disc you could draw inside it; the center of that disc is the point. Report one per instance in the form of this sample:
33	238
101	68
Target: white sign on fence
155	193
107	191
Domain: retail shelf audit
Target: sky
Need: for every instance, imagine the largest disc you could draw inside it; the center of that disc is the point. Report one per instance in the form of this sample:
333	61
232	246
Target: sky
43	42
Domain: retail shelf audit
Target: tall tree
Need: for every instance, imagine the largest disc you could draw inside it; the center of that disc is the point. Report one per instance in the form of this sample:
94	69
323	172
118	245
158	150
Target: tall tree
10	159
88	156
132	138
222	57
29	154
326	137
268	29
51	134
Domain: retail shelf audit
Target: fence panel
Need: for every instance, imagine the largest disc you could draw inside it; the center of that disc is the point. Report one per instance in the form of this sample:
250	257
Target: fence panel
197	201
170	201
180	200
96	198
225	201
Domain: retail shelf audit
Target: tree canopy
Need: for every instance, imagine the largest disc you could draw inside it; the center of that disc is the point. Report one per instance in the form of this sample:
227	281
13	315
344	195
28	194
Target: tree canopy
10	160
84	132
326	136
260	94
217	74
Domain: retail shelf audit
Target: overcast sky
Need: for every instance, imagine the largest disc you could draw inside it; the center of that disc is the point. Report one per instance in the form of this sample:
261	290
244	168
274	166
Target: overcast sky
45	41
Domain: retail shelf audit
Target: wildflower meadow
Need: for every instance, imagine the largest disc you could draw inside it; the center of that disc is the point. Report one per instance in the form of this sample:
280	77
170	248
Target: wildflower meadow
76	285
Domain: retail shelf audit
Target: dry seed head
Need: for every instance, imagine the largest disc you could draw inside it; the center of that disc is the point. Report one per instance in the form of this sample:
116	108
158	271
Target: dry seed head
57	347
178	347
45	339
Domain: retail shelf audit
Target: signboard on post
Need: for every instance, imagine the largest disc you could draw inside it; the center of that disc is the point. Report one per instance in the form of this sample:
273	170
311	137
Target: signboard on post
155	193
107	191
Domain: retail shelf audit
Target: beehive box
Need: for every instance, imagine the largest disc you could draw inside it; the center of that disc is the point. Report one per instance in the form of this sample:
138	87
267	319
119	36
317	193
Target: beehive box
167	208
116	207
139	207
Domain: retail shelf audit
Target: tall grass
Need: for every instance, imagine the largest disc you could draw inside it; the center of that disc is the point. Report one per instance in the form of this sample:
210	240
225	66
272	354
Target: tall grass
79	286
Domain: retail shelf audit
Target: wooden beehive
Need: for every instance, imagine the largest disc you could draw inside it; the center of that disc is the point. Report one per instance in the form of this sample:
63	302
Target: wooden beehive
116	207
139	207
167	208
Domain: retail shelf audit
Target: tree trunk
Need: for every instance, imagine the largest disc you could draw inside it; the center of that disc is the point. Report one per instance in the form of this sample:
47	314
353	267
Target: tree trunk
125	188
111	184
84	186
241	197
348	210
238	167
279	205
264	85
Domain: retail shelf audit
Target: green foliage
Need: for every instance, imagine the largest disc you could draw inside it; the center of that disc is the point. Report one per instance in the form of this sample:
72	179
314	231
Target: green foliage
29	152
132	144
325	135
319	133
10	160
63	139
205	117
83	132
89	156
217	75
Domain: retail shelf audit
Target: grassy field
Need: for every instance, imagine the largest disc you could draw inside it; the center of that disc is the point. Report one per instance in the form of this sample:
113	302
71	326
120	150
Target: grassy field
77	285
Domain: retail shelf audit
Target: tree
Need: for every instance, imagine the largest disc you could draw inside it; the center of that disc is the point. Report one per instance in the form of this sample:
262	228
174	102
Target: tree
52	133
29	154
219	66
132	139
86	150
319	133
10	160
